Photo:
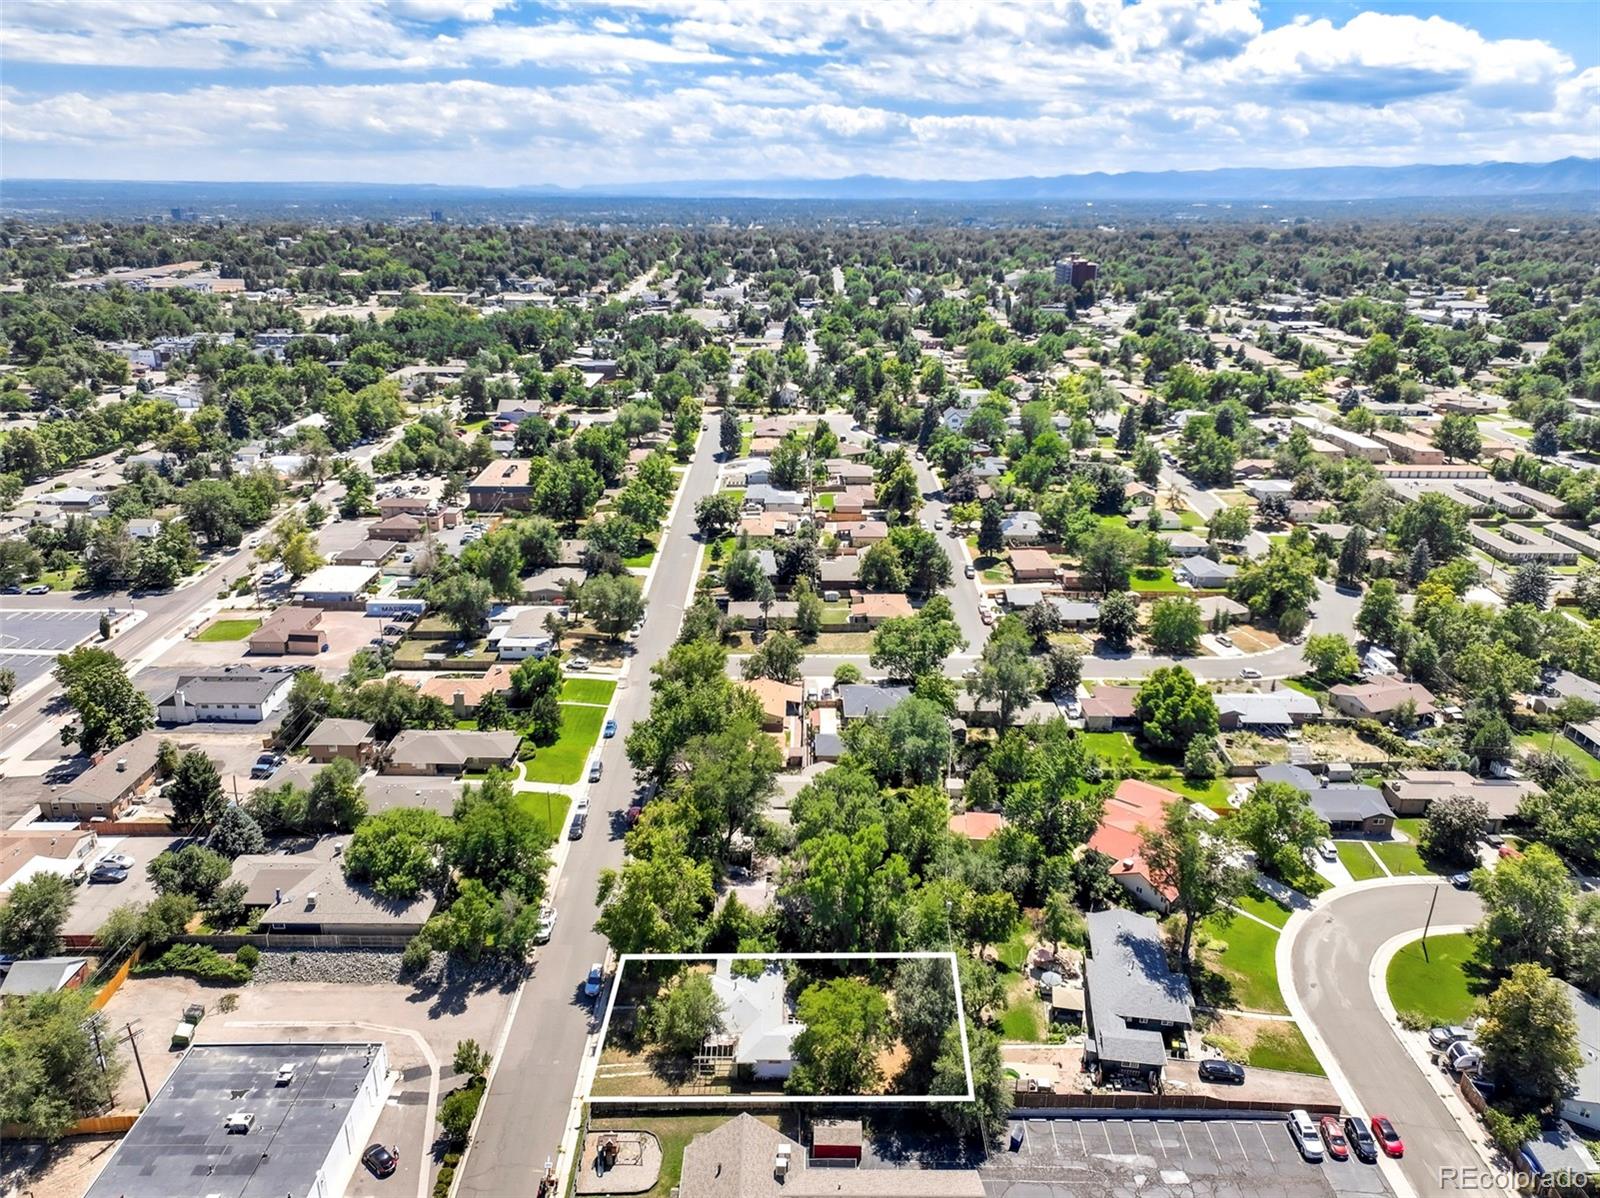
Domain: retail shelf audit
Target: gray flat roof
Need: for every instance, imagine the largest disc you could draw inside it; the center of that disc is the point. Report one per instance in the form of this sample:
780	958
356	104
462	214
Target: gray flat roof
180	1147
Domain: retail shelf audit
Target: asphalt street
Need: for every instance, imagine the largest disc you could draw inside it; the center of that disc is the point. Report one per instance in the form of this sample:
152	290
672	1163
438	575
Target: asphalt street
530	1095
1331	958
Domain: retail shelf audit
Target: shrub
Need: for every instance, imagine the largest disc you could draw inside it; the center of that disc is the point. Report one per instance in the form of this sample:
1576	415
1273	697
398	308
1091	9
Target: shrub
248	956
1413	1021
418	953
458	1110
199	961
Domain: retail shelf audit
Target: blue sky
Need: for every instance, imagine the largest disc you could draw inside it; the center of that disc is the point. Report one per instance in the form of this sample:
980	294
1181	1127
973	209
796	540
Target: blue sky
507	92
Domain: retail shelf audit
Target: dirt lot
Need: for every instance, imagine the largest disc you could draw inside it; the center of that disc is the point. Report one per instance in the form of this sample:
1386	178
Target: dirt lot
1253	640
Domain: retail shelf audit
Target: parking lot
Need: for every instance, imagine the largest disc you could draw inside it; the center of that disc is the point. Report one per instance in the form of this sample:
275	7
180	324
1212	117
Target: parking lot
94	901
31	637
1221	1158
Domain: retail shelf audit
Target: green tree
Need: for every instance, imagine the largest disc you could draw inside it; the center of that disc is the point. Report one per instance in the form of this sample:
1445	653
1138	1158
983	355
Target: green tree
986	1114
1008	675
1119	619
730	437
808	611
110	709
401	851
1331	658
1529	1039
1278	823
499	841
716	515
655	904
1436	520
1458	438
613	604
193	870
1353	553
1530	584
919	730
1107	558
1453	828
1174	709
907	647
683	1013
32	917
1188	857
1230	526
1283	581
59	1062
1381	615
195	791
1527	908
1175	625
846	1026
463	600
778	657
335	802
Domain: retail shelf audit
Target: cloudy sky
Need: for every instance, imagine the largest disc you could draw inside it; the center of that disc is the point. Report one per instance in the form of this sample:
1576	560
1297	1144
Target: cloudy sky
508	92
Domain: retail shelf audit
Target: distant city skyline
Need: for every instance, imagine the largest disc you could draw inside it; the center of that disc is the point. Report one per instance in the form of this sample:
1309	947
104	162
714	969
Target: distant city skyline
502	93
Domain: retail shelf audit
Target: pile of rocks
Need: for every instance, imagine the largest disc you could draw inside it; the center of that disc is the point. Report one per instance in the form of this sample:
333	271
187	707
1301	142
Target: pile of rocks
376	967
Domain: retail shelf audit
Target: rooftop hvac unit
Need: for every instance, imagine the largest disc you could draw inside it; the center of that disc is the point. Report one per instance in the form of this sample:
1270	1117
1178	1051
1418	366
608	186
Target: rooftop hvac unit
122	765
285	1074
780	1161
239	1123
311	901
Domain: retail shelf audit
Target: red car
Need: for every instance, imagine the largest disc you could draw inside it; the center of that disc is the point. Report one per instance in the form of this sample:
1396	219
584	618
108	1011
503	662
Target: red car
1388	1139
1333	1137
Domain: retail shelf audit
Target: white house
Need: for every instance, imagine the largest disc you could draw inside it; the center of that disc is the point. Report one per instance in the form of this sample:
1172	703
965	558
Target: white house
231	694
758	1028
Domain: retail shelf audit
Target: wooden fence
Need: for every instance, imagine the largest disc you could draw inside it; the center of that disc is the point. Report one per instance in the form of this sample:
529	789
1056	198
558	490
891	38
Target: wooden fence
129	827
114	982
1049	1100
95	1125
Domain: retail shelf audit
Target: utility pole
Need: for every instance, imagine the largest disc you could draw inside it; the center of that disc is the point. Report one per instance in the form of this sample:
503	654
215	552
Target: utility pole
1428	923
133	1042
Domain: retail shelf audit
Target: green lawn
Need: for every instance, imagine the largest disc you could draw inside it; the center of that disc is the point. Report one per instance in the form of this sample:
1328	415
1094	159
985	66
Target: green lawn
1356	859
1587	766
642	559
1020	1021
1116	748
1438	984
825	500
1403	859
228	630
60	580
563	762
674	1133
1189	520
549	808
588	690
1282	1046
1248	963
1153	579
1262	907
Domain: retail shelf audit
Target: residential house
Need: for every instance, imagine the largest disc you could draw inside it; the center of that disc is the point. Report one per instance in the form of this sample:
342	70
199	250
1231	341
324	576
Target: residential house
311	896
1075	613
1021	528
290	629
1022	598
780	613
402	527
1346	808
1586	736
44	975
1109	708
1565	685
144	529
403	505
550	585
1135	1002
1414	791
1184	544
1203	573
758	1027
852	503
523	636
1380	698
1214	606
462	695
774	499
862	534
504	484
1582	1107
74	501
780	701
1032	565
844	473
868	611
840	573
449	753
1133	806
368	553
347	740
1518	544
234	694
1271	713
29	850
977	825
748	472
859	699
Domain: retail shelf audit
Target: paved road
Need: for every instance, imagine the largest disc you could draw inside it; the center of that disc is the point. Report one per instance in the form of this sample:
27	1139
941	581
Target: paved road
1331	957
526	1109
963	593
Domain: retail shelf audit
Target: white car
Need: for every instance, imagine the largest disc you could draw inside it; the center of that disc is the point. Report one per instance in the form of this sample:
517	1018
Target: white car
1304	1134
1249	672
578	663
938	525
120	860
547	924
580	809
1326	851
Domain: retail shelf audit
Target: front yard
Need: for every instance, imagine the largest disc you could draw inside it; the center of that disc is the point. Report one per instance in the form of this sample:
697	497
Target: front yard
563	762
549	808
588	690
1241	957
1402	857
1354	856
1438	984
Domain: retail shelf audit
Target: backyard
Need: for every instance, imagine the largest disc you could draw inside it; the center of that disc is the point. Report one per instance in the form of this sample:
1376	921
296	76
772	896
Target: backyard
674	1133
1439	984
562	763
1122	754
1586	765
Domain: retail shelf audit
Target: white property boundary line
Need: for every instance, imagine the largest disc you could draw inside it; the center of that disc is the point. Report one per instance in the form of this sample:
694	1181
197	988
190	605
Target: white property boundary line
790	1099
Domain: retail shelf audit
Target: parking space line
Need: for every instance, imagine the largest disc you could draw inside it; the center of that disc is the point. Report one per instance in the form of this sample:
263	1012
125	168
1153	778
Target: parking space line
1217	1151
1082	1143
1240	1142
1053	1139
1105	1126
1265	1145
1184	1137
1132	1139
1160	1138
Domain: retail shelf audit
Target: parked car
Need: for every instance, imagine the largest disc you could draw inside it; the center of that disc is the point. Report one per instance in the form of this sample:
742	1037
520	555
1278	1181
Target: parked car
938	525
610	729
11	590
1443	1037
596	979
120	860
106	872
266	765
971	571
575	830
1333	1138
1461	881
1388	1138
381	1160
1222	1072
547	924
38	588
1304	1134
1326	851
1249	672
1224	640
578	663
594	770
1463	1057
1361	1141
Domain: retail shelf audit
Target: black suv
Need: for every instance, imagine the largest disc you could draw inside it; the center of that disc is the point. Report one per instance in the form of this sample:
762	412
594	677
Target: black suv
1361	1141
1225	1072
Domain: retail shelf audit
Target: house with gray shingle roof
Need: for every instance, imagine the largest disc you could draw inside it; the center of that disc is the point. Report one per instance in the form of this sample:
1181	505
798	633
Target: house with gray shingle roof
1134	1000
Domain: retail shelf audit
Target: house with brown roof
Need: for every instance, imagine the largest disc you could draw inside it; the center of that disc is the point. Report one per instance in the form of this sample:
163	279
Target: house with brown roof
396	505
1032	565
1109	708
290	629
351	740
107	788
1414	791
780	701
20	846
463	695
449	753
299	894
1379	698
850	503
860	534
401	527
868	611
505	483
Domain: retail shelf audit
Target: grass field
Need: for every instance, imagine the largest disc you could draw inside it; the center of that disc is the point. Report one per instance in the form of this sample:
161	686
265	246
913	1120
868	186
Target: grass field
642	559
228	630
1403	858
1356	859
60	580
1248	964
588	690
1153	579
1586	766
563	762
1262	907
1438	984
1119	748
549	808
1282	1046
